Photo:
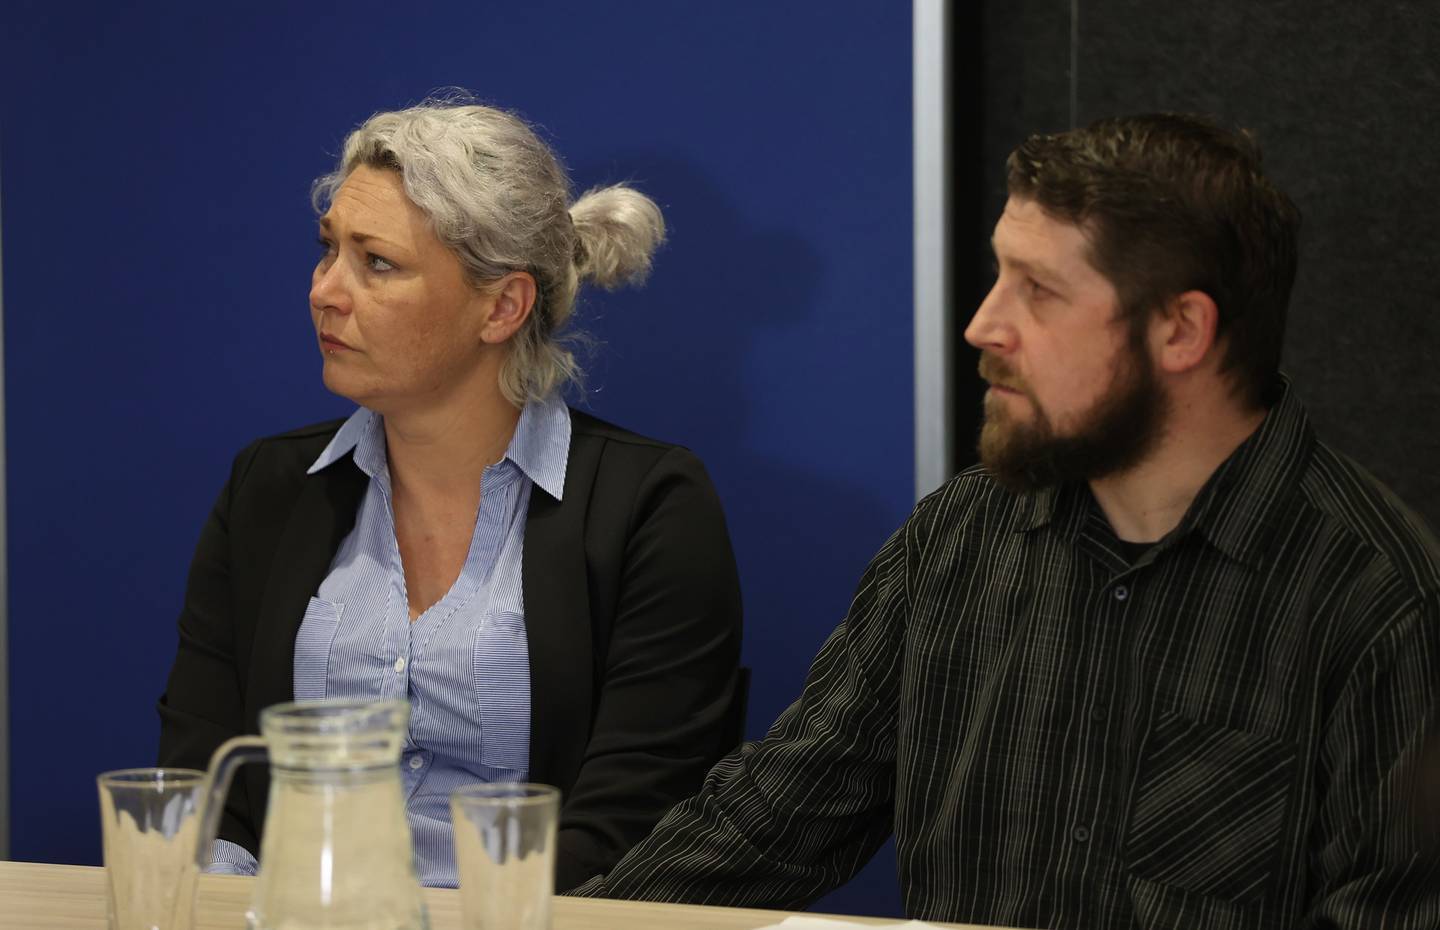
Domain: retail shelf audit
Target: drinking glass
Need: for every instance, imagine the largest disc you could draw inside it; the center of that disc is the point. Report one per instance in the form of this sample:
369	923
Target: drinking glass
505	854
149	825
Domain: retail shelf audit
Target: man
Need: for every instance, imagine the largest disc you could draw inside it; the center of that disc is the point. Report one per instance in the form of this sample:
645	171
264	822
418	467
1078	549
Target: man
1163	659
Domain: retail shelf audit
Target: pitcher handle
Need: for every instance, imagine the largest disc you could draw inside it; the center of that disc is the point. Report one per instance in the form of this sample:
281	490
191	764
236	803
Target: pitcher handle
230	755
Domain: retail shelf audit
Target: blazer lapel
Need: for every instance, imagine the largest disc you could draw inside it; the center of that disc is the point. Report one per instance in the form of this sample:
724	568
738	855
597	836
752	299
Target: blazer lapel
323	514
557	624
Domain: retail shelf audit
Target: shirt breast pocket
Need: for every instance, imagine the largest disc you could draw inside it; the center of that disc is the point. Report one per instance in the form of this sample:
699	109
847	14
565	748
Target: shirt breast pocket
501	678
1209	808
312	648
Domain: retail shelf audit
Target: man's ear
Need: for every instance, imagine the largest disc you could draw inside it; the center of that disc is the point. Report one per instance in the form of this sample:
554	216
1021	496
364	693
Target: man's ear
1183	335
511	300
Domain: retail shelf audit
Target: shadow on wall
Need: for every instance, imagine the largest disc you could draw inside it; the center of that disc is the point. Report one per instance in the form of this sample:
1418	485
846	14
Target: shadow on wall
690	358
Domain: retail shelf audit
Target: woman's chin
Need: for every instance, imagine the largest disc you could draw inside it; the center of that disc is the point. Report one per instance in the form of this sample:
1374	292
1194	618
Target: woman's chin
343	384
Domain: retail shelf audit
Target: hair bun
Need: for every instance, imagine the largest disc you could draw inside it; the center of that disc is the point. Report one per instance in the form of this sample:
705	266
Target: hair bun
617	231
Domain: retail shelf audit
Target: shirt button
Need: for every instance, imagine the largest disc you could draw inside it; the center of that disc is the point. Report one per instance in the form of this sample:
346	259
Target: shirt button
1121	592
1097	714
416	762
1081	834
400	664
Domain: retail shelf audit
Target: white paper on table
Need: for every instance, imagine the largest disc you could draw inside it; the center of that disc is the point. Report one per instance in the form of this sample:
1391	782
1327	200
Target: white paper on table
821	923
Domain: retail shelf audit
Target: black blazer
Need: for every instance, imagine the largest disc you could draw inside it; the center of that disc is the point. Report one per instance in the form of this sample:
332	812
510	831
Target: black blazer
632	615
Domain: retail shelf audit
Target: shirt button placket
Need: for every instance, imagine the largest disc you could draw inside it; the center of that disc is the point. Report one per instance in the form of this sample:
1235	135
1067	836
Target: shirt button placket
1099	712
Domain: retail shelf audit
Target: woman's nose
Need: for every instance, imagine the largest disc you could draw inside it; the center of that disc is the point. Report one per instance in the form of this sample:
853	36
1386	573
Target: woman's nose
329	289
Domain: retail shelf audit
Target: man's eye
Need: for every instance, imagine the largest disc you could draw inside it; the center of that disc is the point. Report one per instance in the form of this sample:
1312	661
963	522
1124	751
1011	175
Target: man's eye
376	263
1036	289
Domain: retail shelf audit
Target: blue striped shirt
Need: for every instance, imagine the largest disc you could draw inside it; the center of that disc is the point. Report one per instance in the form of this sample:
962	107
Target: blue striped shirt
463	663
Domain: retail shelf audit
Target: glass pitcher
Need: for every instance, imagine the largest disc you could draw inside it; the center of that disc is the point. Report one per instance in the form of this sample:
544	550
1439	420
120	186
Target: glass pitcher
336	851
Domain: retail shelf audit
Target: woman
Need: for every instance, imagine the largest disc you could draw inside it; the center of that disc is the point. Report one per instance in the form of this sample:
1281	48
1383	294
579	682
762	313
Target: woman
556	596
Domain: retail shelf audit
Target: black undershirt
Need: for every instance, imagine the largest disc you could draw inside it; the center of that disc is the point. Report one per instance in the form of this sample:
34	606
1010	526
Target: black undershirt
1132	551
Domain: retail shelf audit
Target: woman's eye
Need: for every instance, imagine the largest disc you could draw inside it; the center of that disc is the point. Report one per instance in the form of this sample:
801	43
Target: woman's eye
326	246
376	263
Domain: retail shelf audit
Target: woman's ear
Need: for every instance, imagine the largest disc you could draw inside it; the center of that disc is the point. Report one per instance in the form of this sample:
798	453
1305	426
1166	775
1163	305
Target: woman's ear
511	300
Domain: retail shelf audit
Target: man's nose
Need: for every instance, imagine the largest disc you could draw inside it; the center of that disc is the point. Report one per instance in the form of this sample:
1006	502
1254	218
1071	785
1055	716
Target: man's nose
989	328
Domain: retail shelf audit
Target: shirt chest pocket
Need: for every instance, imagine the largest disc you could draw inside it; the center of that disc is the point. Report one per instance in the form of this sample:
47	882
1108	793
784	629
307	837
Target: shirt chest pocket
500	675
312	648
1210	808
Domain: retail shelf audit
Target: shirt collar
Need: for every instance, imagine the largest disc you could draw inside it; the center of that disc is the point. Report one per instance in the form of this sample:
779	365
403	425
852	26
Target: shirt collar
1064	506
540	447
361	426
1243	505
1238	509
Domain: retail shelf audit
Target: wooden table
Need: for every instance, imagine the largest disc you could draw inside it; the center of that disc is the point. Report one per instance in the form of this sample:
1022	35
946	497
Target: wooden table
35	896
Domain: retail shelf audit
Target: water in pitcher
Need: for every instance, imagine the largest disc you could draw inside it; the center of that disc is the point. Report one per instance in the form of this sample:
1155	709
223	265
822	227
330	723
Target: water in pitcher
336	852
341	859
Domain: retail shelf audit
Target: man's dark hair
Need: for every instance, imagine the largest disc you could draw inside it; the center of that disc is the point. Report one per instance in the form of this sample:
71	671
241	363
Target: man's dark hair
1172	203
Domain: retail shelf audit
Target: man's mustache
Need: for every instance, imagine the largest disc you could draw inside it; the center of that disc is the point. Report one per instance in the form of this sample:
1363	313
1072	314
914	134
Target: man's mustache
997	372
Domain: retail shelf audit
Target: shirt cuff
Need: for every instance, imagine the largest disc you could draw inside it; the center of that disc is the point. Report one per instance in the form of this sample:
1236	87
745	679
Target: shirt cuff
227	858
594	887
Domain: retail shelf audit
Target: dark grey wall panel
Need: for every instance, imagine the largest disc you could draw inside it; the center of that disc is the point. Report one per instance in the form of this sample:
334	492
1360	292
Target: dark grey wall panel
1343	98
1017	83
1024	85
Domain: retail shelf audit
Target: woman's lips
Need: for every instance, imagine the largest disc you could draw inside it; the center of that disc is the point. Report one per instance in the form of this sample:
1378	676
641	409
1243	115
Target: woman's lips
331	343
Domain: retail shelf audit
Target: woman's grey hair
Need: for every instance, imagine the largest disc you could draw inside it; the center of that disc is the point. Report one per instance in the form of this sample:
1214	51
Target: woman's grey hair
499	198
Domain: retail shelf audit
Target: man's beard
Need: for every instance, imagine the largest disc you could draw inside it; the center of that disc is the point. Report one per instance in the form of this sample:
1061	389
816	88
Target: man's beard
1115	434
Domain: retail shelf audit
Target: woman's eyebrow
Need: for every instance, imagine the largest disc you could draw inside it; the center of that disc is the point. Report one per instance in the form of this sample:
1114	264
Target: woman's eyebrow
358	236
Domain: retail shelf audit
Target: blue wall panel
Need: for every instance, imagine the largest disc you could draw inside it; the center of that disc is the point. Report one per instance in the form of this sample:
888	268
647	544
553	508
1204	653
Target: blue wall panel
156	160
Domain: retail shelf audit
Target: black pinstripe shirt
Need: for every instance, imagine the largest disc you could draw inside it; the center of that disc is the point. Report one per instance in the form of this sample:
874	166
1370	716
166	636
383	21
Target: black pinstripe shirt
1222	735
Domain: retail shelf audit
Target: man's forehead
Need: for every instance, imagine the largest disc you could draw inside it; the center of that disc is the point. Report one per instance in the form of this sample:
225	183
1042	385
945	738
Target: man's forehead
1025	211
1029	232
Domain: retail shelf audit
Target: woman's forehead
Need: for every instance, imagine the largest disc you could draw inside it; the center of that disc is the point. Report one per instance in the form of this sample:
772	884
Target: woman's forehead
370	192
372	203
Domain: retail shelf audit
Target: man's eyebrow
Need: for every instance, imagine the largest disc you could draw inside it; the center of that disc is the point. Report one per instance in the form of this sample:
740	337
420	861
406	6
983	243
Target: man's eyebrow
1030	268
